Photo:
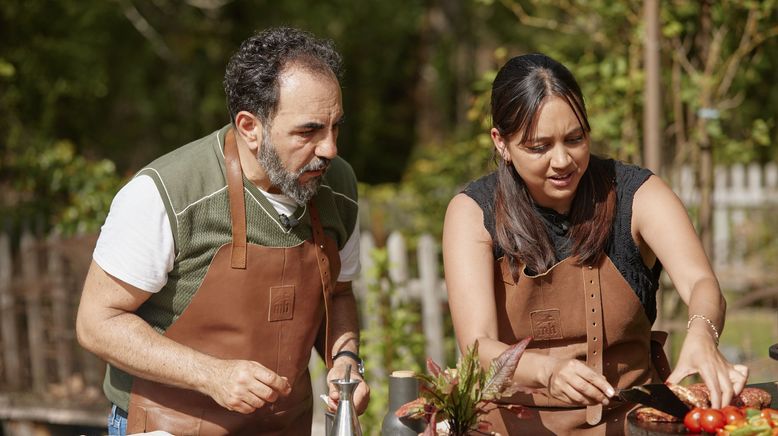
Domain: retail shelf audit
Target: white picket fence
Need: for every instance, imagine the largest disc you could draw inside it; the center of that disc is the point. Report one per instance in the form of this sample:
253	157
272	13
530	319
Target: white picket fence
428	287
745	199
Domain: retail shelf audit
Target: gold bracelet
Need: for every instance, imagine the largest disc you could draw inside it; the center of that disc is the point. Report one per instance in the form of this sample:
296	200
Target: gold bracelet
710	323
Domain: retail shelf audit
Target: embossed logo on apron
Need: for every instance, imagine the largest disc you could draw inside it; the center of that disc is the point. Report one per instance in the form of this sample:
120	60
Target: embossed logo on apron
281	303
546	324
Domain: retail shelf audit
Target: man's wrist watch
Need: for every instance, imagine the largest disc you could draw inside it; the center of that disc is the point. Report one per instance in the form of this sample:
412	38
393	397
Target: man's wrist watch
353	355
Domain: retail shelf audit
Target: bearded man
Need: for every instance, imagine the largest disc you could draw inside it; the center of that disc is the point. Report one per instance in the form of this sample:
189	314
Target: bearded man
223	263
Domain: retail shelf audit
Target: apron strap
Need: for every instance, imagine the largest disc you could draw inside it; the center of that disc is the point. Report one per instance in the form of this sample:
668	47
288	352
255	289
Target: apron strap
237	200
238	217
594	331
326	280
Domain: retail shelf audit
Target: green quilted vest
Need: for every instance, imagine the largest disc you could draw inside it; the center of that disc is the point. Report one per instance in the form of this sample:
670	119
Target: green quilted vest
193	185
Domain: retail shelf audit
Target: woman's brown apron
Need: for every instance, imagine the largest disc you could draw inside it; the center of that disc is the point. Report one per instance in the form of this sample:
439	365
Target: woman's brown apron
563	312
264	304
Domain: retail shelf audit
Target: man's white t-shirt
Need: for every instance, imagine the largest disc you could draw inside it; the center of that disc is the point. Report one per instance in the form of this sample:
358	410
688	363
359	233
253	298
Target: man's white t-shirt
136	242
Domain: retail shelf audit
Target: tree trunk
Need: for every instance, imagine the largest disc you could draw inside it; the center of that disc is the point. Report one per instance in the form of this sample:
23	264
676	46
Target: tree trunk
652	150
705	169
429	117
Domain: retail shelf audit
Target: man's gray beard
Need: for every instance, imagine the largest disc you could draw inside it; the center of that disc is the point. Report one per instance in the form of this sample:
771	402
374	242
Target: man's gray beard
288	182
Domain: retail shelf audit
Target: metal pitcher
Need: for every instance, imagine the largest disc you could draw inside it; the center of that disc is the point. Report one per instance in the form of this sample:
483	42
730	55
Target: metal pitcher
346	422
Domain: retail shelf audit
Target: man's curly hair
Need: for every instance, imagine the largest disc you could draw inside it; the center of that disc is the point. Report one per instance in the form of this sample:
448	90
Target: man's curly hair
251	78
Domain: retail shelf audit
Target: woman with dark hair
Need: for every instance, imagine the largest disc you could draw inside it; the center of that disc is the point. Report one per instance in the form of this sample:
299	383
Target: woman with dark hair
567	248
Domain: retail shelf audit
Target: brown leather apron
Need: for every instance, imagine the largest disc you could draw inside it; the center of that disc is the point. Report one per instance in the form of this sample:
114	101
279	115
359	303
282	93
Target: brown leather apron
586	313
264	304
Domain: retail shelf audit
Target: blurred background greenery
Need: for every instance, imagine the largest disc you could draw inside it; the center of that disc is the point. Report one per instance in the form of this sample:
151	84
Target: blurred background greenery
91	90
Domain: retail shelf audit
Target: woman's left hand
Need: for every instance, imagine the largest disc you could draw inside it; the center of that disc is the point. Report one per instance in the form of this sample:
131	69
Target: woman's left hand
700	355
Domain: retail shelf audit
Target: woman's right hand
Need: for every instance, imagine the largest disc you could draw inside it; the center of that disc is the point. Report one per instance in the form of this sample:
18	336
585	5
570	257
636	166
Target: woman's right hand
571	381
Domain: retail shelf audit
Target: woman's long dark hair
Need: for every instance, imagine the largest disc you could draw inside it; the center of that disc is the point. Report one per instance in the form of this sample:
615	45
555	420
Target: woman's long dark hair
518	92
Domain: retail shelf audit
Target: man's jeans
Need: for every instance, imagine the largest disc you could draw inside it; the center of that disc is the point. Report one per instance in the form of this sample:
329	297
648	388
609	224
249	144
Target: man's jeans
117	422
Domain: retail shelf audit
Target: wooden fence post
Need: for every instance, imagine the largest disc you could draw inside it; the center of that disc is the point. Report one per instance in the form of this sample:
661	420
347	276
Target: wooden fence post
771	181
370	315
366	247
740	197
721	232
398	267
11	360
430	297
62	330
756	190
685	186
32	299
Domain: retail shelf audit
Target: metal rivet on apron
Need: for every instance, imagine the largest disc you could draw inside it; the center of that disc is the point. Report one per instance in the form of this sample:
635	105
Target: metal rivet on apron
321	246
592	295
590	267
594	339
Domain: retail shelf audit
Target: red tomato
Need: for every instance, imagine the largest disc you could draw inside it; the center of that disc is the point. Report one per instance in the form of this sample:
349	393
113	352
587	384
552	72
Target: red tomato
692	420
732	414
712	420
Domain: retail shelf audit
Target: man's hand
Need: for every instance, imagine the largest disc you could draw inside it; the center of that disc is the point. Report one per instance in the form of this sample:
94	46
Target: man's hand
361	393
106	317
245	386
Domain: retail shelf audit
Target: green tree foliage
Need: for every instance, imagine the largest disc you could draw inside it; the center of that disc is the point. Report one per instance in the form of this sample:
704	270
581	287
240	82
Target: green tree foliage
49	185
377	40
601	42
50	84
725	52
127	80
130	79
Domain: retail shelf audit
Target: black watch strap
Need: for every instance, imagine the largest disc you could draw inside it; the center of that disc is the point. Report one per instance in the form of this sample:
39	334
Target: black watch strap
353	355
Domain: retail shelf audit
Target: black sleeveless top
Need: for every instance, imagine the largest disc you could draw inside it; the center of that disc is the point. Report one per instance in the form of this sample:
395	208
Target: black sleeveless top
621	248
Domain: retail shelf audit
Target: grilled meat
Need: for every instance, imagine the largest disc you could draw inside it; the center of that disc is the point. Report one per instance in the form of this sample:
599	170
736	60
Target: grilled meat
697	395
692	395
649	414
750	397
